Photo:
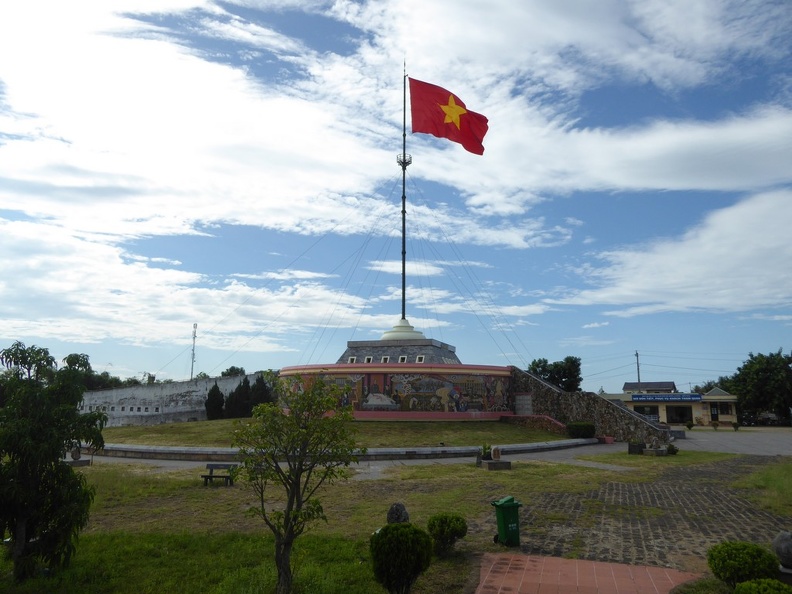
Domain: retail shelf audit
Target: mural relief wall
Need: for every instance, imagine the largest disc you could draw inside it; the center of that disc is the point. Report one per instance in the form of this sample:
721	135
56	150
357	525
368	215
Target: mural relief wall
425	392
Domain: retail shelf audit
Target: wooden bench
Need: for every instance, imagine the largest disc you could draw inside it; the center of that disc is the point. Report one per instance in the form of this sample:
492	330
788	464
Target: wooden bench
227	478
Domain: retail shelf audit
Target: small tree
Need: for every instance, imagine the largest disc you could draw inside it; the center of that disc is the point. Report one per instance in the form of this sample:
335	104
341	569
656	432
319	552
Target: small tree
296	450
44	503
260	392
237	403
214	403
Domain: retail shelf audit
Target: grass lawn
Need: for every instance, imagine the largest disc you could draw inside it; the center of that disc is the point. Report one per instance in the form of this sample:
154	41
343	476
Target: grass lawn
371	434
155	530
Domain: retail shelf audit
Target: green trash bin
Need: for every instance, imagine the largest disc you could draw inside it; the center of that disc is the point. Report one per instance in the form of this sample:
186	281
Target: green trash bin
507	512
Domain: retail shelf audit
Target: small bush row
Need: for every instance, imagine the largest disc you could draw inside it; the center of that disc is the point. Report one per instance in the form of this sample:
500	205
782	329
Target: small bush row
763	586
580	429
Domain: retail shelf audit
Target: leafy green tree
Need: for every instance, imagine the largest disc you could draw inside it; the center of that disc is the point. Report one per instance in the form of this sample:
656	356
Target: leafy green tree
214	403
44	503
564	374
233	371
103	381
295	449
764	383
723	382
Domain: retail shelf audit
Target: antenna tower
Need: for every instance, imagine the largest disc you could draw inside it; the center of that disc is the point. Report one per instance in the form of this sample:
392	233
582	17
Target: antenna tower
192	362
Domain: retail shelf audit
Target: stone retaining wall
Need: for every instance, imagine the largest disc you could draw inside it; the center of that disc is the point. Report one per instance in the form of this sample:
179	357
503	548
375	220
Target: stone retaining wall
541	422
566	407
153	404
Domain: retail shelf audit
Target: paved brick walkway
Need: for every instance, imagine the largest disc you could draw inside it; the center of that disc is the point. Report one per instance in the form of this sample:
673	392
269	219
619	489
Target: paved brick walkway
523	574
623	537
667	523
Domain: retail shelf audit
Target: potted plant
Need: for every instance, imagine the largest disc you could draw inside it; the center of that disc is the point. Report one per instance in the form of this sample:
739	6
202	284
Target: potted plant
635	447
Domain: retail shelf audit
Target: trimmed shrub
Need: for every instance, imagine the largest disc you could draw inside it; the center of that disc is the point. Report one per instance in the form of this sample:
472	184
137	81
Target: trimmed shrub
763	586
736	561
671	449
400	553
689	425
445	529
580	429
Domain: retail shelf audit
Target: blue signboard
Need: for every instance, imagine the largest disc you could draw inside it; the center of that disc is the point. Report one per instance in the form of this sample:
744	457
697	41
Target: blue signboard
666	397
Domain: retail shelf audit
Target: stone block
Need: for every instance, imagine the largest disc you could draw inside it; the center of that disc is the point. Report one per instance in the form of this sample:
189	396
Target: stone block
496	464
655	452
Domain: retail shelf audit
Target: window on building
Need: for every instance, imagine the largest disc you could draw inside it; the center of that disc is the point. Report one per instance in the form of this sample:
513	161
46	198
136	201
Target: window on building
650	412
138	409
146	410
385	359
402	358
419	359
725	408
123	408
90	407
369	359
352	360
112	409
156	409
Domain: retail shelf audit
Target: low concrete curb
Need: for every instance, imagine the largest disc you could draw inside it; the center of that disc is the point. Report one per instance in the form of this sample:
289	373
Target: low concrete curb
230	454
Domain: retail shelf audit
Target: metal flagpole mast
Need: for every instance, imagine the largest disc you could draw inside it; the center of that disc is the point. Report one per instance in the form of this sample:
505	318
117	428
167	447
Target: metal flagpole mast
404	160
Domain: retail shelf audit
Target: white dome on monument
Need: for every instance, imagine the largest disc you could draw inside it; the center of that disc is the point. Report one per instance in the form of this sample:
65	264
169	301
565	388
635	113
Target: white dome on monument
403	331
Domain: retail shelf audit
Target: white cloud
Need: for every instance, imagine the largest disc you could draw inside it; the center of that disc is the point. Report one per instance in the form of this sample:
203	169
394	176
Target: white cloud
582	342
734	260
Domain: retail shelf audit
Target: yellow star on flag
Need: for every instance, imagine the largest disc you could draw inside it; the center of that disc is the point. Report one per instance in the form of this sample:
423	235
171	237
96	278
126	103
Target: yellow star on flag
452	111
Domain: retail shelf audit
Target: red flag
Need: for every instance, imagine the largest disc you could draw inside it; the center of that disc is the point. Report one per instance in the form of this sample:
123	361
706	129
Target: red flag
440	113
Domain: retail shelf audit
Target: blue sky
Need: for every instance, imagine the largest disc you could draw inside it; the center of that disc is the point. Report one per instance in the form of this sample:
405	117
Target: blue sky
233	164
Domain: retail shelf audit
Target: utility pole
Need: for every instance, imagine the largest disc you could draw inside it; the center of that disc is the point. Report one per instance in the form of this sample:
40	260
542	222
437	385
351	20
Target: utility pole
638	367
192	363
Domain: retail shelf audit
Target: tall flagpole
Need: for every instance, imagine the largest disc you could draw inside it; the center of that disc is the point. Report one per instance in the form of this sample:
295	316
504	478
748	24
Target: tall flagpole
404	160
